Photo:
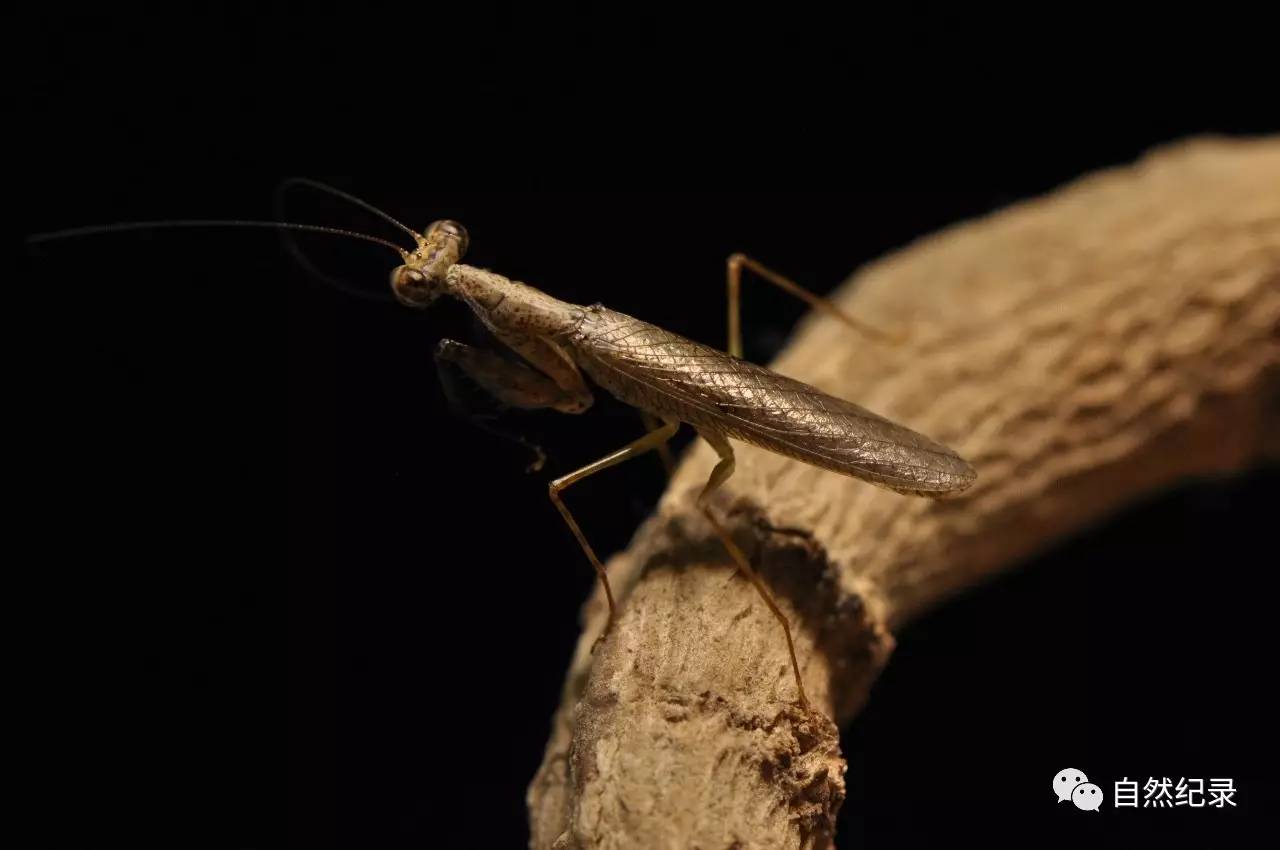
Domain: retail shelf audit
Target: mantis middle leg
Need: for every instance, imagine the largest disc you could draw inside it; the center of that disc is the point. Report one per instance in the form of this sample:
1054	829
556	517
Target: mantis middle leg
664	451
651	440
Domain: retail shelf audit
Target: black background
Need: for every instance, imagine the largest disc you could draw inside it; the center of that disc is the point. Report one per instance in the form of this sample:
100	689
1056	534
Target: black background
391	673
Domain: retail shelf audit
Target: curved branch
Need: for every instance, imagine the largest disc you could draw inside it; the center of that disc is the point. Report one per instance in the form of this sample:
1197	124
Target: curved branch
1080	350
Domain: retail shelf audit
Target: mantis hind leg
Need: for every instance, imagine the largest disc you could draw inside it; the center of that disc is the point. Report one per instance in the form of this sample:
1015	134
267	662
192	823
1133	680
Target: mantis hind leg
651	440
734	266
719	475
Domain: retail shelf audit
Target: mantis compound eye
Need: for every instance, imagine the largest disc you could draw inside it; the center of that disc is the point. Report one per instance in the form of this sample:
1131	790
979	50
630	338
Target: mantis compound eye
412	287
451	228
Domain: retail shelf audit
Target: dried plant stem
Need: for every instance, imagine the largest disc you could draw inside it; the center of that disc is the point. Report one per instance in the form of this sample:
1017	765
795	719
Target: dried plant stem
1080	350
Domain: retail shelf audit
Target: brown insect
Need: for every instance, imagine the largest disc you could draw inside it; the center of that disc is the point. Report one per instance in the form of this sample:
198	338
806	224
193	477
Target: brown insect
667	377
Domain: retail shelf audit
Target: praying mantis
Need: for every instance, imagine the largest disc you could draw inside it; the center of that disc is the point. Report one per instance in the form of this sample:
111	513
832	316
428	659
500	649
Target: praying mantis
562	350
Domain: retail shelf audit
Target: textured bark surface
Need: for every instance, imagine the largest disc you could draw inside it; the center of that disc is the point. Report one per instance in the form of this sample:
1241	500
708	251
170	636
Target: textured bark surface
1080	350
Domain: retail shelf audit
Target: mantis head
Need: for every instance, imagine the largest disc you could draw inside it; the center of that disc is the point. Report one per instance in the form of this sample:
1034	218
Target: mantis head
421	279
417	282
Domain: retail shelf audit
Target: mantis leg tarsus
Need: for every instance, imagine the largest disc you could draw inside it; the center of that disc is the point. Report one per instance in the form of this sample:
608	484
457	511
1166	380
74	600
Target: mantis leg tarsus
719	475
737	262
651	440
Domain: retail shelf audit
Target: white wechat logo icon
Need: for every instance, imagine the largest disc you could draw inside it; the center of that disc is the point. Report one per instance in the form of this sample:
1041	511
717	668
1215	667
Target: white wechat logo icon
1066	781
1087	797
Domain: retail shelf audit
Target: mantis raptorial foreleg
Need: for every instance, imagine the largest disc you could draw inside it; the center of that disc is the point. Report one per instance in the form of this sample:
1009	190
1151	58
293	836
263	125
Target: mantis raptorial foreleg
511	383
649	441
734	266
719	475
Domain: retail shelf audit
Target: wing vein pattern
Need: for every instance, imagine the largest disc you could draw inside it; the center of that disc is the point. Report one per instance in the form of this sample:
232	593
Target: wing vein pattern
667	374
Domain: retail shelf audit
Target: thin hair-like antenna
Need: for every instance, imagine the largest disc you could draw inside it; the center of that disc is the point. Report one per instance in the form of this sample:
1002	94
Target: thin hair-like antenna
295	250
336	283
124	226
349	198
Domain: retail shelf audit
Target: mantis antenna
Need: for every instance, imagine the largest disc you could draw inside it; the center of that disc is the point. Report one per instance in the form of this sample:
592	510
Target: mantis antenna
300	257
351	199
284	227
125	226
